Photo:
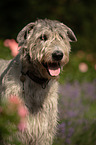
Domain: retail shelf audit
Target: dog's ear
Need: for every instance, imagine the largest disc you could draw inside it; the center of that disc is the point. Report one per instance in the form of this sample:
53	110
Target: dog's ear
23	34
70	34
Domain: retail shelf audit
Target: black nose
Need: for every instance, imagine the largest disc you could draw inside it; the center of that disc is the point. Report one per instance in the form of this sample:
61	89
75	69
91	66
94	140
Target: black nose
57	55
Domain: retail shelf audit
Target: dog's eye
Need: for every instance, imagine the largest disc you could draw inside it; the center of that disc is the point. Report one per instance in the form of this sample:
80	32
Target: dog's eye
43	37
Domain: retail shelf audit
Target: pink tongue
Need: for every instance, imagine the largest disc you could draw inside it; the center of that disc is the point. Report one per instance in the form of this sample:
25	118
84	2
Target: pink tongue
54	71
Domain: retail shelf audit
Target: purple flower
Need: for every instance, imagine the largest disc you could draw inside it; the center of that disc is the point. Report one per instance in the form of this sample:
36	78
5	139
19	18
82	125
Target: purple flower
70	131
62	127
72	108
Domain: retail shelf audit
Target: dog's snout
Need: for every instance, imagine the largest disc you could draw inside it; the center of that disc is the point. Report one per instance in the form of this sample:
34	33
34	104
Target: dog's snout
57	55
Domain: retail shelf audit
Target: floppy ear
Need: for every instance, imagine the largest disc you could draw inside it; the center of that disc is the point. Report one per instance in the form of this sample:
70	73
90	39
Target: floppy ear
71	35
23	34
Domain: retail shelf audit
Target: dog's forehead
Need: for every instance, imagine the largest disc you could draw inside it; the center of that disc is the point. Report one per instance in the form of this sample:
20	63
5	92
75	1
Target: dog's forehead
48	25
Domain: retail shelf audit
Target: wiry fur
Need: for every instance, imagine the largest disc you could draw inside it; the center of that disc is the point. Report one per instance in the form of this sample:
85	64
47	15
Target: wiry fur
40	98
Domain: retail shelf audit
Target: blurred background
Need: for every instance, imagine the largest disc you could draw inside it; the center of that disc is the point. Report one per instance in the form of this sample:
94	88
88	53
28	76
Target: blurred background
77	105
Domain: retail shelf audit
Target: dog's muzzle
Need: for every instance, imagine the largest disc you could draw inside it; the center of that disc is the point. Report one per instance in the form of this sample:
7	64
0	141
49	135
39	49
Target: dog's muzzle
53	66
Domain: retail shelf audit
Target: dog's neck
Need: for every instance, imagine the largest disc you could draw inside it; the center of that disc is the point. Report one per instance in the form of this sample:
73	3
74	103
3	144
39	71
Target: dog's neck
42	81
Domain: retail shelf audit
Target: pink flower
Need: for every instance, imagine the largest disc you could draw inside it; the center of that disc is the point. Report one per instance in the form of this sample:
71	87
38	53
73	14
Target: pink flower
83	67
22	111
14	100
22	126
16	104
13	46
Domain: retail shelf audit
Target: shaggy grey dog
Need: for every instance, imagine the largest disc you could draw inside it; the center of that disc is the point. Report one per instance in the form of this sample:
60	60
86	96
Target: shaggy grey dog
33	75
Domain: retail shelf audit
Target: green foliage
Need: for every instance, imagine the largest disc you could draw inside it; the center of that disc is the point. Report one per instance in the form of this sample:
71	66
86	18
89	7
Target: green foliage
72	72
5	52
9	120
85	136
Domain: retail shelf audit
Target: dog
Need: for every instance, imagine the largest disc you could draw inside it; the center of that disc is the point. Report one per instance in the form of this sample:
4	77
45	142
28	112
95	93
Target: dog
32	75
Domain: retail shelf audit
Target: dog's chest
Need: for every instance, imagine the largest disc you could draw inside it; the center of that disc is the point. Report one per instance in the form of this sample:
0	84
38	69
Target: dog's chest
35	96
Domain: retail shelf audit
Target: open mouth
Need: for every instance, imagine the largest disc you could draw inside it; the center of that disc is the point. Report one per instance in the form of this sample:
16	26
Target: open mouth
53	68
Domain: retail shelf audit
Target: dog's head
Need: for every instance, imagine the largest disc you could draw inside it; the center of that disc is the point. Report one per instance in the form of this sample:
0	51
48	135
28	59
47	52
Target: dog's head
46	46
